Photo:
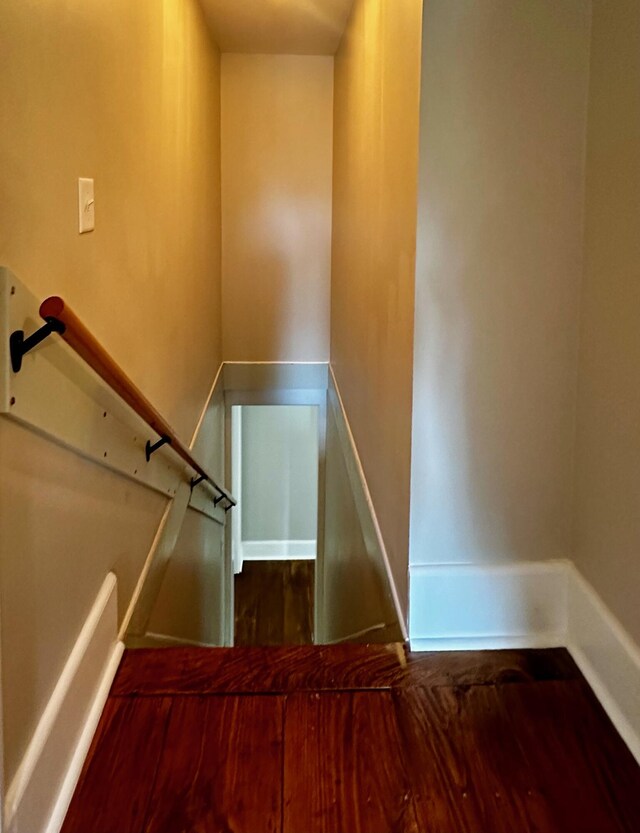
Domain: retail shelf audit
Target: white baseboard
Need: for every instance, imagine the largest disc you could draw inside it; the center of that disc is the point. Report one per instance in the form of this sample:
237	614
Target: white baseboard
40	792
607	656
462	607
278	550
489	643
531	605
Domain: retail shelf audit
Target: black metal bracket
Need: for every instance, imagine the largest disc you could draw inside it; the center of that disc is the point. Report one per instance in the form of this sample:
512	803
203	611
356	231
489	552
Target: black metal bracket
19	346
222	497
149	449
196	480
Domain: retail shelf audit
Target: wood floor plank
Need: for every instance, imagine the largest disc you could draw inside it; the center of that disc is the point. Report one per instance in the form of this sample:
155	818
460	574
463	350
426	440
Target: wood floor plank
344	770
521	745
457	785
274	603
513	758
115	786
221	767
452	668
587	773
174	671
298	603
317	668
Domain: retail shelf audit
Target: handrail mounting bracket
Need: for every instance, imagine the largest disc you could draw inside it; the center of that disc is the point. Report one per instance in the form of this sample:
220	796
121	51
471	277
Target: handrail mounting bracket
149	449
19	346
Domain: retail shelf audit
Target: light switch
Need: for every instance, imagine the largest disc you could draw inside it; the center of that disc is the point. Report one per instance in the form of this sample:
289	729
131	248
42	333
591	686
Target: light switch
86	205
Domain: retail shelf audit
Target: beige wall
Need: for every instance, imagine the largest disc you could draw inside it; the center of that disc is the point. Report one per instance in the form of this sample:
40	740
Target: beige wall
374	208
276	206
607	478
64	524
498	274
128	93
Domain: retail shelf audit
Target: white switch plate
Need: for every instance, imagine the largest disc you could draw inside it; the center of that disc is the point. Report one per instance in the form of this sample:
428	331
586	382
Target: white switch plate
86	205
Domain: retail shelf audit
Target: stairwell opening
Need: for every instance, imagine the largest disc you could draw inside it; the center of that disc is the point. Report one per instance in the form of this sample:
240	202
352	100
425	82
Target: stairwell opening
275	454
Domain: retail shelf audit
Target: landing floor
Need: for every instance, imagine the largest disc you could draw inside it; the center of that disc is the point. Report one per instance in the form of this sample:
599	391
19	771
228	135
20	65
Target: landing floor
274	603
353	739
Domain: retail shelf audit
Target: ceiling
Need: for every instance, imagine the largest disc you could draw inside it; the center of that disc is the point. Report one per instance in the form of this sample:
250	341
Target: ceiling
294	27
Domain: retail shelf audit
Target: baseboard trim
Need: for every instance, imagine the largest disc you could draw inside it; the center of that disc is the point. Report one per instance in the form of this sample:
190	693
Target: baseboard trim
278	550
490	643
42	787
84	742
516	605
163	640
530	605
607	656
358	634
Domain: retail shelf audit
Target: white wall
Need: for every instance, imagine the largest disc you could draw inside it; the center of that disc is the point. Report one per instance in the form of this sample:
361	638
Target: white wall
499	265
191	602
277	134
356	599
279	473
607	477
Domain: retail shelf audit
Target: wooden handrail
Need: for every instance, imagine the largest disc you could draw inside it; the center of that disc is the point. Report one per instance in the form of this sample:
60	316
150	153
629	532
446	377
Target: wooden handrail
88	348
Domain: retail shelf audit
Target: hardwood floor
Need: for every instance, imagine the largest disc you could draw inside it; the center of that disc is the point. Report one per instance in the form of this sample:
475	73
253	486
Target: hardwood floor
274	603
354	739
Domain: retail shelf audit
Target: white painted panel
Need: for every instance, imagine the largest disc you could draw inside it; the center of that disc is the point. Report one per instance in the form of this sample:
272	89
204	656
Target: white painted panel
360	495
190	604
58	395
45	779
236	484
453	606
208	443
358	592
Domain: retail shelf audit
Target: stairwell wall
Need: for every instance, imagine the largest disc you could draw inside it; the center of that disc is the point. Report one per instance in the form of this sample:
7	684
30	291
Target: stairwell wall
376	109
276	206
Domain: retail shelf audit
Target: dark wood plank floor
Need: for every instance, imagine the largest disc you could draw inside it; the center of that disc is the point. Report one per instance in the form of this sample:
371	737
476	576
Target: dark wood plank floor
274	603
354	739
344	765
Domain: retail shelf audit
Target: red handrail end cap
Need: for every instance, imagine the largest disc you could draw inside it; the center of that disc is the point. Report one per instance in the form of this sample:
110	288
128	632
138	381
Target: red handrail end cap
52	307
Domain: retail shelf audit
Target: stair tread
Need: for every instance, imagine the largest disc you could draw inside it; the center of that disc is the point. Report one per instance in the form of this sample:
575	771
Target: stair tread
274	670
